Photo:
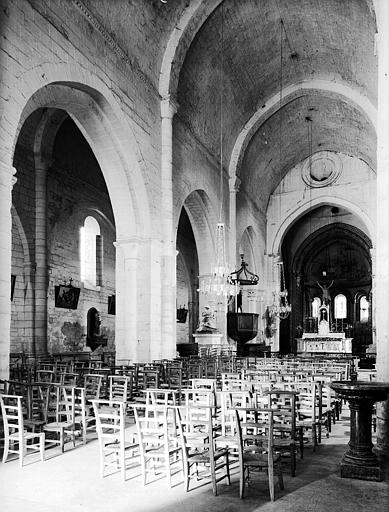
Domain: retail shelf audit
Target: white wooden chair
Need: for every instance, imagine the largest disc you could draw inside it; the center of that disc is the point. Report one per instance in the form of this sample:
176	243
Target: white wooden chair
16	439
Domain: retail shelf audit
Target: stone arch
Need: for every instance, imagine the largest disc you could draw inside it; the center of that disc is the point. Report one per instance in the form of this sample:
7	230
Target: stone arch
324	87
274	245
22	234
27	285
203	220
97	113
181	37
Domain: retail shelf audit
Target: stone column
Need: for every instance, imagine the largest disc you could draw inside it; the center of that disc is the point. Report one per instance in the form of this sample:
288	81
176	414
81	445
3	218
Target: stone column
382	237
7	180
234	189
128	344
168	277
372	298
40	267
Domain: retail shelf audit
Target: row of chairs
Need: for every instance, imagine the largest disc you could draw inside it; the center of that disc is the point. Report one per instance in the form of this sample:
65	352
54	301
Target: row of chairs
173	439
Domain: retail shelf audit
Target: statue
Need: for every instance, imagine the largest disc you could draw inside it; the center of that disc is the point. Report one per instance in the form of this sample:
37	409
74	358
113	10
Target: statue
326	294
206	323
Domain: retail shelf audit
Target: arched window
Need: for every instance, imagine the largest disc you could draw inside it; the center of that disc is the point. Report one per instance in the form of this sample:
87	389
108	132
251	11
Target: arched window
316	303
363	309
91	253
340	306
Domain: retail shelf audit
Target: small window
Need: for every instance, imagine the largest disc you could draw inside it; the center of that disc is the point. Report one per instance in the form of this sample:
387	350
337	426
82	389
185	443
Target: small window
364	309
91	253
316	303
340	306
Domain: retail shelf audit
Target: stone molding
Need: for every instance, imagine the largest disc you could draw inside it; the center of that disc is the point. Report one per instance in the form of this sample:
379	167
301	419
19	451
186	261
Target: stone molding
111	41
321	169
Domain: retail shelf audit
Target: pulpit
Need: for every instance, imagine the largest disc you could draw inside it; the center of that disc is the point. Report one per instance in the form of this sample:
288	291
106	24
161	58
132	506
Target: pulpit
242	327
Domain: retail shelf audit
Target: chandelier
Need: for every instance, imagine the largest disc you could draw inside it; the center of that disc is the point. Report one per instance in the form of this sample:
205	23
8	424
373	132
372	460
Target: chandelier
280	307
243	276
217	282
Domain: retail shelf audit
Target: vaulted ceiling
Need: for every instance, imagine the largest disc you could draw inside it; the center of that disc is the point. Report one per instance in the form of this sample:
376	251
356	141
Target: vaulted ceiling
328	73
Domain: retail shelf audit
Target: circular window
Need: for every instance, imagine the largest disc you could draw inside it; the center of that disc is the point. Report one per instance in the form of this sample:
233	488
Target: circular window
321	169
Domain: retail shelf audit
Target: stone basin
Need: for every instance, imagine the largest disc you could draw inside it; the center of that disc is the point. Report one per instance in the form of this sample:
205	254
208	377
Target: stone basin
360	390
360	461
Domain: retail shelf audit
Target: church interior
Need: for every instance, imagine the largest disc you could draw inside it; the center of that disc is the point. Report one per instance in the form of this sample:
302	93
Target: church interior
192	193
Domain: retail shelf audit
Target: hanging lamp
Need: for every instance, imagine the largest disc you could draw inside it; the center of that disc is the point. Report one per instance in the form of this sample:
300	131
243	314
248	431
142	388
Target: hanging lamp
217	284
280	306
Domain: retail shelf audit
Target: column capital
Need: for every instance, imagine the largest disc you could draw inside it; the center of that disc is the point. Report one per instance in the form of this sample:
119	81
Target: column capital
7	175
130	246
168	107
234	183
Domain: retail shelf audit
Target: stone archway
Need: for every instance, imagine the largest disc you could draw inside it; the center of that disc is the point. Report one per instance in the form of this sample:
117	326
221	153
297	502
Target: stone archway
108	133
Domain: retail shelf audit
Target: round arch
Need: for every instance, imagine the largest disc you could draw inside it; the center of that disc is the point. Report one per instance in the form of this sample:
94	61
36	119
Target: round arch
203	221
310	204
98	115
181	37
329	88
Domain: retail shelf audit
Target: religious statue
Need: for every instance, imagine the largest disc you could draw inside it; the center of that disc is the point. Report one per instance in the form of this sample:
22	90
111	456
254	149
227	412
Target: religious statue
207	321
326	294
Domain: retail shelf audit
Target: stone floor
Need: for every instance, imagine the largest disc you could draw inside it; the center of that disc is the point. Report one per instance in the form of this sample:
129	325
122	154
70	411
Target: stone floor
71	482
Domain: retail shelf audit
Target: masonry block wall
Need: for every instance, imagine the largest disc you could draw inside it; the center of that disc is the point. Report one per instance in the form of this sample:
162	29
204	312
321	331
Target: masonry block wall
21	306
75	188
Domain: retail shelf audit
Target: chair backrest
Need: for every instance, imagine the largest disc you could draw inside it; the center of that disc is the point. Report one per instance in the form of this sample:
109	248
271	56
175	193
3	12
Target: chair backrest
229	400
65	404
255	432
119	387
110	421
156	427
203	425
161	397
284	415
92	385
45	375
12	413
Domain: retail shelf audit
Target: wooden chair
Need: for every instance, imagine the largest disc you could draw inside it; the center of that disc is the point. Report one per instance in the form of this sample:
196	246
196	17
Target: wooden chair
203	451
308	411
119	388
16	439
286	438
115	450
160	448
255	435
227	436
63	428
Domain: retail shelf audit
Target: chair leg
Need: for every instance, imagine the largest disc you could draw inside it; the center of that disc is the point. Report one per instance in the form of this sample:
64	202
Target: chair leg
6	447
123	465
314	436
241	483
42	446
228	469
22	450
62	440
270	472
301	442
293	460
280	477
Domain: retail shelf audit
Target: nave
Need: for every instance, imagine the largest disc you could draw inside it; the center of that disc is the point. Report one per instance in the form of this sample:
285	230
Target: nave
73	480
73	483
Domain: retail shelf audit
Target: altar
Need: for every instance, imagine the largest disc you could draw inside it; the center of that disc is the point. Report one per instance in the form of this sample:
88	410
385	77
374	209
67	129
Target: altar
331	343
324	341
